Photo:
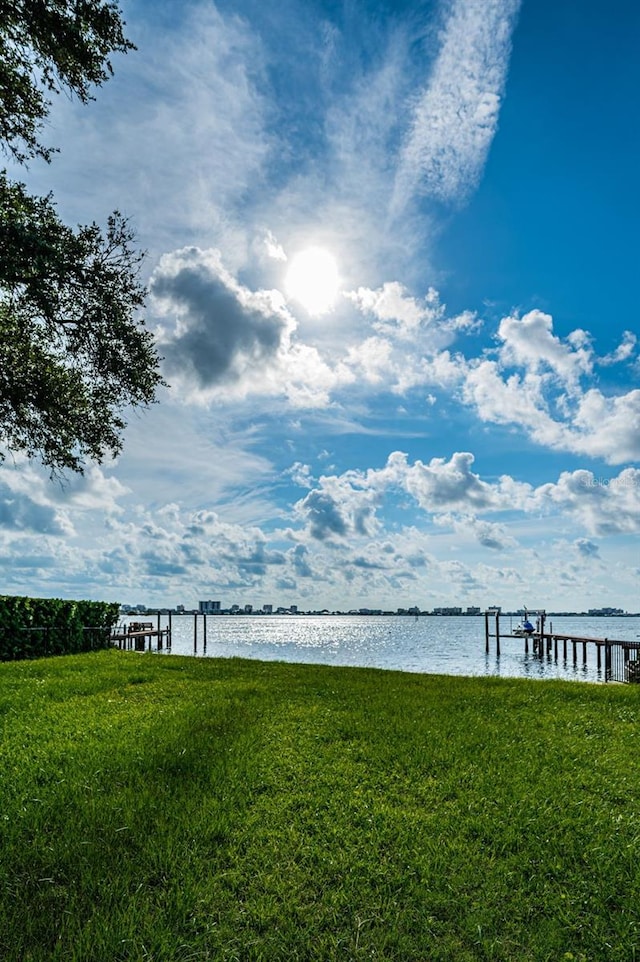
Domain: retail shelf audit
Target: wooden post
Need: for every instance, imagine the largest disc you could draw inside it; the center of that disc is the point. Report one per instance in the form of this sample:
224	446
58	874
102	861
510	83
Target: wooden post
564	648
607	660
599	652
195	633
204	640
169	629
584	652
159	635
486	632
526	644
497	634
575	651
555	647
626	654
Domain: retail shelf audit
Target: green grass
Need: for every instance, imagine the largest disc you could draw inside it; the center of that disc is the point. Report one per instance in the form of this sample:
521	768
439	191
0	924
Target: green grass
172	809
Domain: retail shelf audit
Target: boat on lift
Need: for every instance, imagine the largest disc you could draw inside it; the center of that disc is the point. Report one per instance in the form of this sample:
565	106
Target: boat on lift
525	629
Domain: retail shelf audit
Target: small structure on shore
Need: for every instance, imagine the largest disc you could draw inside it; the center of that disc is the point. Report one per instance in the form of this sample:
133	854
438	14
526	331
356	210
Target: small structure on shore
137	634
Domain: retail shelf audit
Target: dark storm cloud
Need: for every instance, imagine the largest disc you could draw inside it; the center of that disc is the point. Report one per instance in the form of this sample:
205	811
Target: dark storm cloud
222	328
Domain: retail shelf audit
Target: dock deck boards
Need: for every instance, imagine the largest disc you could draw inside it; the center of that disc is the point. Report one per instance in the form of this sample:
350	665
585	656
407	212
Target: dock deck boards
137	633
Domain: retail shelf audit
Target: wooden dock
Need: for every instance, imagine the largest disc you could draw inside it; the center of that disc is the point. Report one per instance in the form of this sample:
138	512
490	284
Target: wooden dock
619	659
138	634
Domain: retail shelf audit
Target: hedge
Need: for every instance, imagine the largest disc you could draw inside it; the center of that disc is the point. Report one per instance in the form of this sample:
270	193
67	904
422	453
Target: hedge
35	627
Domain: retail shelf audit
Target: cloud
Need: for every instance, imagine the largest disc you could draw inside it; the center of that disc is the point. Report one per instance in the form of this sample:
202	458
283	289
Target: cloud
224	334
300	561
183	121
325	515
596	425
516	400
182	548
345	533
606	427
398	314
220	339
339	508
300	474
487	534
586	548
92	491
173	457
456	116
273	249
529	342
452	495
345	506
603	506
441	484
407	350
623	352
31	501
546	397
20	513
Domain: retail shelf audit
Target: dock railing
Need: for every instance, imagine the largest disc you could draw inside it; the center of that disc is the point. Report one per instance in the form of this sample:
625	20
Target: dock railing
137	634
617	659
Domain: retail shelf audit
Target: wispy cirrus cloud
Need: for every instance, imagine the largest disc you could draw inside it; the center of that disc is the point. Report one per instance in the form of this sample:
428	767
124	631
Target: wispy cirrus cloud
456	115
183	124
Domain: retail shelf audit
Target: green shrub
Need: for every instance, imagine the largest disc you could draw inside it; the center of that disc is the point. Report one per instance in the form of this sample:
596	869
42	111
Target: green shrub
33	627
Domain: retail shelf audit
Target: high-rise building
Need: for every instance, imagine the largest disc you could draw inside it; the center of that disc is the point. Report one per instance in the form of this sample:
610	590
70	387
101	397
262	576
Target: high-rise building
209	607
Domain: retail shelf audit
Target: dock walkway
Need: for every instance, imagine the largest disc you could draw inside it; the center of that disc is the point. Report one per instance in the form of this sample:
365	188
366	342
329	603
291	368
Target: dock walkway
619	658
136	635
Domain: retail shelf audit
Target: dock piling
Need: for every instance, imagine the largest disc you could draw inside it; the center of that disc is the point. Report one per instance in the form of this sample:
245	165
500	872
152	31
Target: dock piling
621	658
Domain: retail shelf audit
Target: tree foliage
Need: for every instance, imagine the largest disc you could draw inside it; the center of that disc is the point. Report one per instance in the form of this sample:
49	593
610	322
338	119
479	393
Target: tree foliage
47	46
74	351
70	355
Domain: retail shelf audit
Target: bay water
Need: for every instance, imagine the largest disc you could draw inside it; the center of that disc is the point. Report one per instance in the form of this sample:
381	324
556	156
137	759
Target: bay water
447	645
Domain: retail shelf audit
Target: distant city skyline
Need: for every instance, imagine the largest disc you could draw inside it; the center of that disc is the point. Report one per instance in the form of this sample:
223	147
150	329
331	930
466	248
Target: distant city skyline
392	264
216	608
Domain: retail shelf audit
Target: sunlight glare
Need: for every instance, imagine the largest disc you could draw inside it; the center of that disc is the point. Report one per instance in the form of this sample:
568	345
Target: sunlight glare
312	280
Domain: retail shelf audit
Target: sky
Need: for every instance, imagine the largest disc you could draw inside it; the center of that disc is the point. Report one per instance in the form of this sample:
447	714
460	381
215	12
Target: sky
392	260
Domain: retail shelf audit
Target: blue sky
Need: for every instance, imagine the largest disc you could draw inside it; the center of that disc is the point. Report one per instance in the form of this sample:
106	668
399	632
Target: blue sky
440	404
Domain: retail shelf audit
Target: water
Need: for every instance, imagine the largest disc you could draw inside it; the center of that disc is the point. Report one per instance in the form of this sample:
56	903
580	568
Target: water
433	645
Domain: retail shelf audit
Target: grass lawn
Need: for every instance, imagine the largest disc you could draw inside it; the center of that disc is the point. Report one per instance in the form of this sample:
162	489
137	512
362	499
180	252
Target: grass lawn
170	809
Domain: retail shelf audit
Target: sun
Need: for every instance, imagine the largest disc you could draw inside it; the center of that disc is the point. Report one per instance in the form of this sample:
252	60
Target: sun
312	279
